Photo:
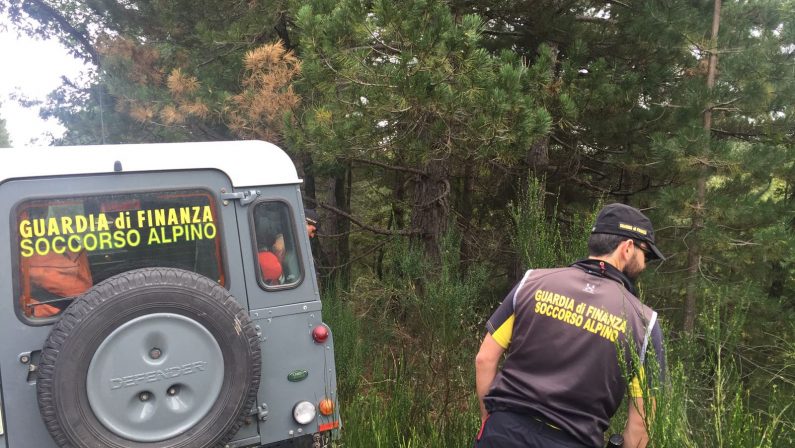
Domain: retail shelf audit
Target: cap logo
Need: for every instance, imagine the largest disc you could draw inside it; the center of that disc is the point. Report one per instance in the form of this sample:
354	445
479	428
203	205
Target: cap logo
632	228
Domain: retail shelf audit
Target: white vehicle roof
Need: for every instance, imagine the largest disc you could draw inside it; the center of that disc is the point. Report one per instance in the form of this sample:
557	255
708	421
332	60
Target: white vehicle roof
247	163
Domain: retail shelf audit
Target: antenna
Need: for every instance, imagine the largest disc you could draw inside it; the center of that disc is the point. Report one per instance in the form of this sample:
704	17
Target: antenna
101	112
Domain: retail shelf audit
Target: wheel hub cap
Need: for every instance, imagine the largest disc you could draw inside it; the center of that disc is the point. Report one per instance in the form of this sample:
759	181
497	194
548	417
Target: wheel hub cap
155	377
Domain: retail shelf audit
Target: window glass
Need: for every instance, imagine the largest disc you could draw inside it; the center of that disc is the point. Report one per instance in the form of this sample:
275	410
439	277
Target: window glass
65	246
277	251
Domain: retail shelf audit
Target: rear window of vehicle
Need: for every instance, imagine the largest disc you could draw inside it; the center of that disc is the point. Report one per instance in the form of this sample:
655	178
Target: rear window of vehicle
277	250
67	245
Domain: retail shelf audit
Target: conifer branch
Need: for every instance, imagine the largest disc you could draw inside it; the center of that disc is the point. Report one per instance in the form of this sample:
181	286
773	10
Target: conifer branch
364	226
208	132
390	167
502	33
596	20
597	172
616	2
49	13
746	136
226	53
587	184
631	192
374	35
671	106
355	81
722	106
364	253
740	243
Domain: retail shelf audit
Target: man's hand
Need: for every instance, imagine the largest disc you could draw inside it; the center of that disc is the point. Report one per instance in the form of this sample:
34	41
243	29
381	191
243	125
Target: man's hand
486	362
635	433
278	247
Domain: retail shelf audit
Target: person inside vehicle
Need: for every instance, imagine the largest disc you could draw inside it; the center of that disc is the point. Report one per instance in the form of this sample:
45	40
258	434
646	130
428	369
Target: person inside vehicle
570	335
270	267
53	281
287	258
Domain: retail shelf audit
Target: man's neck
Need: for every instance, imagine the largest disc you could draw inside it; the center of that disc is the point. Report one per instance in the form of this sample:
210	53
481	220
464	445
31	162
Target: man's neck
616	274
611	260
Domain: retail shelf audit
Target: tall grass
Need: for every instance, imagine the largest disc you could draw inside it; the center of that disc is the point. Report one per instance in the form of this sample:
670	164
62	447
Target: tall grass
542	242
404	347
721	409
705	401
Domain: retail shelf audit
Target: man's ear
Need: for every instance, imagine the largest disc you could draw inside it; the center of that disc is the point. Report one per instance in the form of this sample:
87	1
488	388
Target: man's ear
624	250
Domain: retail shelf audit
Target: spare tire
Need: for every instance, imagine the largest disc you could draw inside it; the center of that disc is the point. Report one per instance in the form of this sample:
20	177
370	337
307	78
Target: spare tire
151	358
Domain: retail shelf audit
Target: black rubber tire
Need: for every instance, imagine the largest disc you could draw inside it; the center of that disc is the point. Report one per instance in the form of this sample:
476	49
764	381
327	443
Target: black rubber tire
65	358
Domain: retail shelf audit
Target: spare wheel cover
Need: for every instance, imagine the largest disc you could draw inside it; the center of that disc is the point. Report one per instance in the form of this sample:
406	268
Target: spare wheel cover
155	358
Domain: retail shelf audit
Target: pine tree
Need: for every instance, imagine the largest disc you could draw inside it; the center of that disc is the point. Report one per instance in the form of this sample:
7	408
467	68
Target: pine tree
139	47
406	87
694	251
729	151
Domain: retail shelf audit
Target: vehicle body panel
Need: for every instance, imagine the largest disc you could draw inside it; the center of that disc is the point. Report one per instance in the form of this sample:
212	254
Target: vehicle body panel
285	316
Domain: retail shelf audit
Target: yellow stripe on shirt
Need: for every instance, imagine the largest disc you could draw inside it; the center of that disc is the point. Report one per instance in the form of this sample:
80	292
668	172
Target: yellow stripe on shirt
503	334
635	388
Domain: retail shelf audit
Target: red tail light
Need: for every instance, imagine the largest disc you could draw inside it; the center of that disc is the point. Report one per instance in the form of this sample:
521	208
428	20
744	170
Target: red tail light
320	333
328	426
326	407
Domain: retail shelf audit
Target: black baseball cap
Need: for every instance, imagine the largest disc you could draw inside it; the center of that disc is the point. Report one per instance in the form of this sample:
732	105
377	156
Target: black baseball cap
623	220
312	217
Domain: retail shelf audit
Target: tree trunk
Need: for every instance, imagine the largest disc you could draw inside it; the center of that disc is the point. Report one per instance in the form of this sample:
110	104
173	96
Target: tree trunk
397	219
342	228
694	251
431	209
465	213
538	156
398	194
777	281
282	28
308	175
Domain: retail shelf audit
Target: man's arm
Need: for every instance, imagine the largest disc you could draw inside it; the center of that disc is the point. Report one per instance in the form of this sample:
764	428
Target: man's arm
635	433
486	363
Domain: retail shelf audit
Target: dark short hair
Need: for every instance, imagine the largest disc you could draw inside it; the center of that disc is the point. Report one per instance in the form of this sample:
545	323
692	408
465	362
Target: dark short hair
600	244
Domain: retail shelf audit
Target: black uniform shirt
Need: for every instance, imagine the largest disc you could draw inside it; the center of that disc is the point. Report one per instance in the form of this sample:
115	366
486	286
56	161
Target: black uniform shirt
562	329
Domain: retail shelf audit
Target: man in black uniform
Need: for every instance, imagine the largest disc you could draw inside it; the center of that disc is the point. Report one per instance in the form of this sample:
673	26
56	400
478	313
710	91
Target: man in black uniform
571	335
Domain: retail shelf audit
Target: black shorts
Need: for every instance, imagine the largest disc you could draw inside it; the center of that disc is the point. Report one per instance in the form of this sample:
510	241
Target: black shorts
505	429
